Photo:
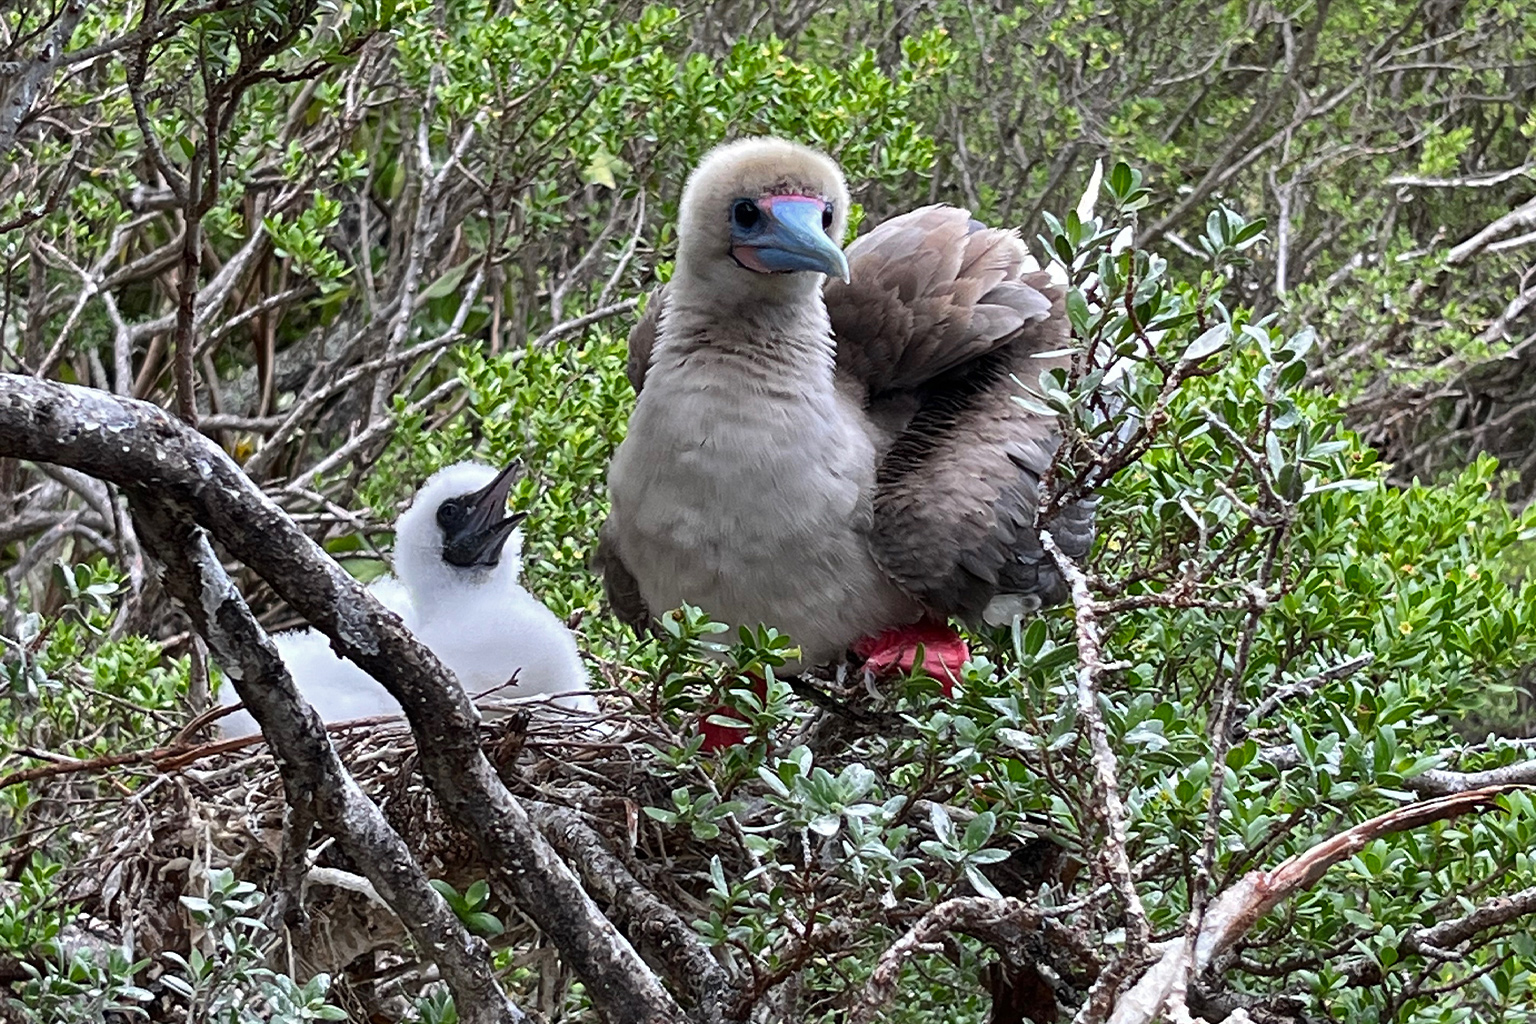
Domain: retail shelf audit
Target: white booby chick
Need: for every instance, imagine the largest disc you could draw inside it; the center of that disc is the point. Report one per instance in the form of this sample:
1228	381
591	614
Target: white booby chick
458	556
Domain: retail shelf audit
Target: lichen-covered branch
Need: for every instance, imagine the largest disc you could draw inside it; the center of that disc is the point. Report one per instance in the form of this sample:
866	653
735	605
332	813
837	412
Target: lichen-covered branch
1110	808
26	86
1441	782
140	447
655	926
316	780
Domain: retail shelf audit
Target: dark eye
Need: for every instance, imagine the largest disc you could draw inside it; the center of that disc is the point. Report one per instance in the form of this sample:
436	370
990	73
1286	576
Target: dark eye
826	218
745	213
450	514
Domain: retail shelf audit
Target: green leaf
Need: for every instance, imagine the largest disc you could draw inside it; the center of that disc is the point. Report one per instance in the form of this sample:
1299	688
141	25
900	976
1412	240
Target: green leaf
604	169
826	824
1077	312
980	884
482	923
448	283
988	856
1120	179
938	851
979	830
1208	344
938	817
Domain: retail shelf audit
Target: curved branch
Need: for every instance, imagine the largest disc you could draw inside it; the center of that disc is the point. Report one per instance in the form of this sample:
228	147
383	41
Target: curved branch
140	447
1235	911
314	777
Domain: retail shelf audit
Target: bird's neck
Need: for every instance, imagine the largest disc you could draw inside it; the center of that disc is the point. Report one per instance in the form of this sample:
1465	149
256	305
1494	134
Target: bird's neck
440	590
775	332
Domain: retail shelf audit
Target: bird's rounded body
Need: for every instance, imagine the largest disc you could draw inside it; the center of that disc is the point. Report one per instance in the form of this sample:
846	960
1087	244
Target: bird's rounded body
828	442
483	638
336	688
757	511
479	621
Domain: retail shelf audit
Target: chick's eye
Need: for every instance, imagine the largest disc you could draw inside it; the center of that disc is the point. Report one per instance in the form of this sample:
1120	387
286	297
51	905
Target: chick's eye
826	218
745	213
449	514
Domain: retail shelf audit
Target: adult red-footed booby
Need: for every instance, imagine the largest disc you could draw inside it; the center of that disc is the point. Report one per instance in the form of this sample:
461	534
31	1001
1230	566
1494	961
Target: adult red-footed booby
827	442
458	555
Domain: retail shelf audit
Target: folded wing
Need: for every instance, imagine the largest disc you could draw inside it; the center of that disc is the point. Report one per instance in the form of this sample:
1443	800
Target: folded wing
943	327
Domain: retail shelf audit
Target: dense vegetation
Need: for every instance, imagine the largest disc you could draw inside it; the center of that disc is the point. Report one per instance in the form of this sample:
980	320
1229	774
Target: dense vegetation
353	242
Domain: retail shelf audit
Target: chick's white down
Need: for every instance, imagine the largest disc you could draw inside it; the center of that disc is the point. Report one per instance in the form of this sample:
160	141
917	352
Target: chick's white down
479	621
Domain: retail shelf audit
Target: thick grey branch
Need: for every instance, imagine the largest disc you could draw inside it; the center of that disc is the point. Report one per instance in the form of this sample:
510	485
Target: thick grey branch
313	775
30	82
1439	782
1521	217
139	446
1449	934
658	929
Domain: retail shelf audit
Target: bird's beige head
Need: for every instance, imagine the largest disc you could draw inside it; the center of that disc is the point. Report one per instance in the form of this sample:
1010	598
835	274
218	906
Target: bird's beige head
763	214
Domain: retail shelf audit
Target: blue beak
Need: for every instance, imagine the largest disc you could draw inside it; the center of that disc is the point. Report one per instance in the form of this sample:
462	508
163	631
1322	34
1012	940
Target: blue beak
788	236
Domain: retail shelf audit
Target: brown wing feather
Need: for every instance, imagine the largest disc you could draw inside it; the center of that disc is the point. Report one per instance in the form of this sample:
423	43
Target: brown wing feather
942	315
642	338
928	291
620	584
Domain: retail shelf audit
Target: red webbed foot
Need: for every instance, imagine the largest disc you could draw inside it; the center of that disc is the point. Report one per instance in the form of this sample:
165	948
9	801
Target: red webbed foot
895	651
719	737
944	651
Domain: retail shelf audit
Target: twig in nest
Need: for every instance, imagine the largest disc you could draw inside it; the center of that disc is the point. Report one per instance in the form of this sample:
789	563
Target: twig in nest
824	700
176	755
287	906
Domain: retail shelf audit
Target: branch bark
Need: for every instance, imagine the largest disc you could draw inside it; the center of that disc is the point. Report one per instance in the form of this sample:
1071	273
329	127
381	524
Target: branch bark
139	446
24	92
1440	782
971	915
1235	911
1109	808
658	929
313	775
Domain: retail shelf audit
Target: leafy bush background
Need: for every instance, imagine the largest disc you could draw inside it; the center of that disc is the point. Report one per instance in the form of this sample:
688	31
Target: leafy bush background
454	209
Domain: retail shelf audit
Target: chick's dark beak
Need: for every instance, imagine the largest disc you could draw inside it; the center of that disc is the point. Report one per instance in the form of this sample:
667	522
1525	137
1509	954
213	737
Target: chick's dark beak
478	529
